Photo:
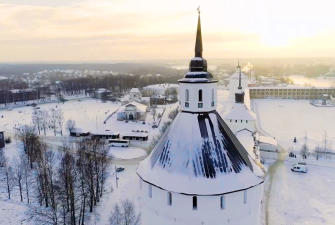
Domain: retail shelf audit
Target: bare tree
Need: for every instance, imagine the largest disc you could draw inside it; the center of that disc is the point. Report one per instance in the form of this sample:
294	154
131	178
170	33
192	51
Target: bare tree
60	120
19	173
37	120
56	120
67	180
129	213
125	215
116	217
45	121
26	174
70	125
9	178
31	143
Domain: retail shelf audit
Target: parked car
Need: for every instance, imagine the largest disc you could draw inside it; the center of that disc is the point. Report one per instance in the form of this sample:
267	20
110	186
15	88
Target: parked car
119	169
299	167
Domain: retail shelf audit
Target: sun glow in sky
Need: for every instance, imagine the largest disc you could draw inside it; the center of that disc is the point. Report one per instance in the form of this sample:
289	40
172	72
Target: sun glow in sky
101	30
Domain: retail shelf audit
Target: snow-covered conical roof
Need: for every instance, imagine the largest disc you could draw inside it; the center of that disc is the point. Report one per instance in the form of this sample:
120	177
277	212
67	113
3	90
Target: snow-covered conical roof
199	155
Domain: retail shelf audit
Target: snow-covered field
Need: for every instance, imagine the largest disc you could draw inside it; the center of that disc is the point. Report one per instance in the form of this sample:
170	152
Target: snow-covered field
302	199
88	114
126	153
295	199
299	199
285	119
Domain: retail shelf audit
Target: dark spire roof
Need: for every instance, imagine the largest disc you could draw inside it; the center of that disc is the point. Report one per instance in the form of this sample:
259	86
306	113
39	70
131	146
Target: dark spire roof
239	77
198	65
198	41
239	95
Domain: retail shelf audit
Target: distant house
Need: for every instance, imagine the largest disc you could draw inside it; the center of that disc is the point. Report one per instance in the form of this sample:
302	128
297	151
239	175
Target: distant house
78	132
132	111
102	93
105	134
135	94
136	136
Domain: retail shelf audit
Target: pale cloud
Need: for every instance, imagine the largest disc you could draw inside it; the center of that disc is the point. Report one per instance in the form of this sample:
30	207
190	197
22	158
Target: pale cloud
32	30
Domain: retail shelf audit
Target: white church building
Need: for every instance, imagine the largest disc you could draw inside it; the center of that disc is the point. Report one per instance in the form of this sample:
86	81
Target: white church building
132	111
199	173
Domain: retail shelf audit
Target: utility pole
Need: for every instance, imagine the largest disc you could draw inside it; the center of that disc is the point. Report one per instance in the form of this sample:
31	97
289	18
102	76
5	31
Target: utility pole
116	178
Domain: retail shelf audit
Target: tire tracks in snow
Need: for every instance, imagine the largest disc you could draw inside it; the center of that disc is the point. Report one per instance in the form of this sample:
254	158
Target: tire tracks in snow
270	176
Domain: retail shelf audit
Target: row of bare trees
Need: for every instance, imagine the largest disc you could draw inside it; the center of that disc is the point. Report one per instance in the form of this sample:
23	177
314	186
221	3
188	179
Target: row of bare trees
64	186
44	120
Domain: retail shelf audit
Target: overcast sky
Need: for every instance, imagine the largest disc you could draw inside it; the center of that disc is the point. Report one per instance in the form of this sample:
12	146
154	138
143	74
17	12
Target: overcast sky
100	30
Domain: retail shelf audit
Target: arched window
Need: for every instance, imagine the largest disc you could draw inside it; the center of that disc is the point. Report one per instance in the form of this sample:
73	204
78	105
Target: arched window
195	203
200	95
150	191
200	104
245	196
169	198
187	98
222	202
213	97
187	95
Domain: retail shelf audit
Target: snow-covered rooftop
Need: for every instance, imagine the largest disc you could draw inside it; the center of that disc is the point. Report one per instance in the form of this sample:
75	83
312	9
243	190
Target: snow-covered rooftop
240	112
267	140
134	90
139	107
246	138
200	155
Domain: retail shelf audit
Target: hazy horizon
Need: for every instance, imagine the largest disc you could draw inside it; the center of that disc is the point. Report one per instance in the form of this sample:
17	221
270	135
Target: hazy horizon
101	31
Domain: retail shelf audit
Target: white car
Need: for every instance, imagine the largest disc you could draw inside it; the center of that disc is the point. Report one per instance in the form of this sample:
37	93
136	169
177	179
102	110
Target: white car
301	168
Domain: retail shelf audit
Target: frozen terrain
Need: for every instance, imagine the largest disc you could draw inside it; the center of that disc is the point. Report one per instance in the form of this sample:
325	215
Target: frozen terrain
88	114
286	119
295	199
302	199
126	152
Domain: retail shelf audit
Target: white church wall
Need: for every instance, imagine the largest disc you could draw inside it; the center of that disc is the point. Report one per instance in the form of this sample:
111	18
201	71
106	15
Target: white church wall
208	96
237	125
235	212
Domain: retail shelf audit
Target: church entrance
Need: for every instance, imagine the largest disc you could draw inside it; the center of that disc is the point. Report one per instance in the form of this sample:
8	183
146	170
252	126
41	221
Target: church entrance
131	117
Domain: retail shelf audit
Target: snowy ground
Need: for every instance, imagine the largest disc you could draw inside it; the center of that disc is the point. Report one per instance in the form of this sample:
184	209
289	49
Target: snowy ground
286	119
298	199
125	189
302	199
14	213
126	152
87	113
295	199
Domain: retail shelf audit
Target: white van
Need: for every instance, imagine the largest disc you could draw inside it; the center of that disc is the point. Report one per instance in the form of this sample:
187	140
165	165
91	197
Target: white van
301	168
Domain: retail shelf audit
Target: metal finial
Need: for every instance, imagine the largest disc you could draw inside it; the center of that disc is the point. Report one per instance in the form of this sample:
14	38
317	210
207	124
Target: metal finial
198	9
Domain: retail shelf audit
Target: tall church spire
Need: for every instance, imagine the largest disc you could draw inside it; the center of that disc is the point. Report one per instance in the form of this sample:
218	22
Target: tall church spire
198	41
239	95
240	76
